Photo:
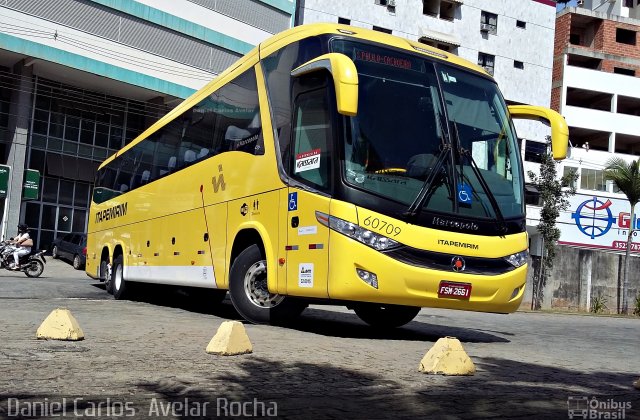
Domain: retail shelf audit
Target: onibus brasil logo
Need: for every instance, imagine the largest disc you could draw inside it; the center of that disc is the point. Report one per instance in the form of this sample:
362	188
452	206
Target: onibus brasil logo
589	213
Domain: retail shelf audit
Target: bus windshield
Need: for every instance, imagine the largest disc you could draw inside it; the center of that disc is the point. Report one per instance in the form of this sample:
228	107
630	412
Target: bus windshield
430	134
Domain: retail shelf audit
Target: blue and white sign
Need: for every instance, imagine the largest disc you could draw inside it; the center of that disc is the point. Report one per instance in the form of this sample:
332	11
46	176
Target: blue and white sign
598	222
293	201
464	193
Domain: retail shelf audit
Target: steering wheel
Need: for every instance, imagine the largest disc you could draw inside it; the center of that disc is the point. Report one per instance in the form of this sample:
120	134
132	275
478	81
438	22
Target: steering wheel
391	171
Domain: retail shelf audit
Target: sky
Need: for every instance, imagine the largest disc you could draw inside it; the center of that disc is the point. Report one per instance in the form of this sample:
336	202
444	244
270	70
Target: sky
561	6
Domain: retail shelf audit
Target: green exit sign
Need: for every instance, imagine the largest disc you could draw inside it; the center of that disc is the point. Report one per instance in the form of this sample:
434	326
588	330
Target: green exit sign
31	187
5	174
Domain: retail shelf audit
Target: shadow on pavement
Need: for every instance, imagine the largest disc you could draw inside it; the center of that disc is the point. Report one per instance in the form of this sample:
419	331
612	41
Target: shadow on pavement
316	321
501	387
313	320
348	325
192	300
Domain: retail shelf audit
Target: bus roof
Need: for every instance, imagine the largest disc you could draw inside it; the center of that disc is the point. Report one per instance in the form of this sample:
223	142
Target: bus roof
283	39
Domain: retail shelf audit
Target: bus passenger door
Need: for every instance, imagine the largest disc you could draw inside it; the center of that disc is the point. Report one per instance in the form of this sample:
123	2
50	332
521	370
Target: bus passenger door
309	165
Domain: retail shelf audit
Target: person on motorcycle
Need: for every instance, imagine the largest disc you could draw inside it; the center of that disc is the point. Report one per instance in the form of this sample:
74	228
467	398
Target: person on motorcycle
22	243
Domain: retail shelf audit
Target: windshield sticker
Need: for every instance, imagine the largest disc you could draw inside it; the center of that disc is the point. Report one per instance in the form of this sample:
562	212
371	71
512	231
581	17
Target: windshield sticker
308	160
464	193
382	178
448	78
305	275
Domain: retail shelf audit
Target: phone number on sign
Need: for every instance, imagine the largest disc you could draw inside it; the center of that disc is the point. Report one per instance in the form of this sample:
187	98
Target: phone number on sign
623	245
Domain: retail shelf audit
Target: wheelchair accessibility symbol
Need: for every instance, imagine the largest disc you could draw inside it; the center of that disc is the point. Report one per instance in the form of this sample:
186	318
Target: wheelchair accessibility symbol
464	193
293	201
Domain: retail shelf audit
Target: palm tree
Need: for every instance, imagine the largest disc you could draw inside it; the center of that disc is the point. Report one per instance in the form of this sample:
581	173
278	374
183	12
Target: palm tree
626	176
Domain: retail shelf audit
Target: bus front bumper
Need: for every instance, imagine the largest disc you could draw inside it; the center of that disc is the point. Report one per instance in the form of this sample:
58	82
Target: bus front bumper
404	284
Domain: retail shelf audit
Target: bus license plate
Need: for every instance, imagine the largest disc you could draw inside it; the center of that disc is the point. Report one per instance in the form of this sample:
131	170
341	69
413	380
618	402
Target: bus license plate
452	290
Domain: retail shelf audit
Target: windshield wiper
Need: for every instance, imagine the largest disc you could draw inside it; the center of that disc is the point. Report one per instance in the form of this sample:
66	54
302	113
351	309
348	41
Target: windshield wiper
416	206
502	225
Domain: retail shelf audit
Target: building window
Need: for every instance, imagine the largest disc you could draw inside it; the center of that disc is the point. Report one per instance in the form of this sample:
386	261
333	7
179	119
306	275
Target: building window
534	150
574	39
452	48
489	22
518	64
487	61
430	7
532	195
625	36
381	2
344	21
521	24
443	9
628	3
381	29
568	170
592	179
627	72
447	10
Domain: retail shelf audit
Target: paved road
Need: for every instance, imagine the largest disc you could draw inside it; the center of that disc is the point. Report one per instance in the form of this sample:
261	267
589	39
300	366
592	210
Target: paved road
149	356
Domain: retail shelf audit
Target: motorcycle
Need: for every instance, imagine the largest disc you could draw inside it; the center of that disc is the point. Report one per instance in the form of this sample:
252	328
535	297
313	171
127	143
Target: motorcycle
31	264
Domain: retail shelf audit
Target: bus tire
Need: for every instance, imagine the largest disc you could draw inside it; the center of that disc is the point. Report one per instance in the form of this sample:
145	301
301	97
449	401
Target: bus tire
119	286
105	276
385	316
249	294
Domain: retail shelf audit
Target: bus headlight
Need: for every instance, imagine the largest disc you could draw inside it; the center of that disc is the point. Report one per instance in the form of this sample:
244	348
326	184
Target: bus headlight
367	237
518	259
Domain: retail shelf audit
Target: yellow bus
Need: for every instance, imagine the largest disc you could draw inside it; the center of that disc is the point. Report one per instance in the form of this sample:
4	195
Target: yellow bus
330	164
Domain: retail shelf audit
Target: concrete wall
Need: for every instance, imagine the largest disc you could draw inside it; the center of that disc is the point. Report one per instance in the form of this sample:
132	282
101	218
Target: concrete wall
614	84
579	276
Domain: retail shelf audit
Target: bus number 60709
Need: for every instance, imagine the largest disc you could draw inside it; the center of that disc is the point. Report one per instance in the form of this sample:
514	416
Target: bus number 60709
381	225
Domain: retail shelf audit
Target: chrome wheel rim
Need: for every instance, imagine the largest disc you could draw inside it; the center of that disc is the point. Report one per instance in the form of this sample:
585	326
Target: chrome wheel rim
255	287
118	279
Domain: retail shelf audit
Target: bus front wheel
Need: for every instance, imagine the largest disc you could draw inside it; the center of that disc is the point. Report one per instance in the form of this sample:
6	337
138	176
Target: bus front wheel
385	316
250	295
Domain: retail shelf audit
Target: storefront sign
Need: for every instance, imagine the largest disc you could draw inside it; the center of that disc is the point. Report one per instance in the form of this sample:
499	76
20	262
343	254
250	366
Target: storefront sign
598	222
31	187
5	174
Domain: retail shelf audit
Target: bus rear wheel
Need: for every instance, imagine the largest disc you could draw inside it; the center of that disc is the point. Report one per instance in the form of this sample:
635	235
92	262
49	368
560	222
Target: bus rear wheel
249	293
121	289
106	276
385	316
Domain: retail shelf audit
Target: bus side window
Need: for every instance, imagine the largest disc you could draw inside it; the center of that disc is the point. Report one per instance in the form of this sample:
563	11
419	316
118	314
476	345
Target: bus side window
311	157
239	126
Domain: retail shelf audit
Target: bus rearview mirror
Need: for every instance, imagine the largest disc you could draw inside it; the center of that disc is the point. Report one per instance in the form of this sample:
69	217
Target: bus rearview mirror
559	128
345	79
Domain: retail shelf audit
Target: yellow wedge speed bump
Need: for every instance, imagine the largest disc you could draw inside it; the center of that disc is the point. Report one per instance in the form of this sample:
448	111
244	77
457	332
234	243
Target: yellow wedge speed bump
230	340
447	357
60	325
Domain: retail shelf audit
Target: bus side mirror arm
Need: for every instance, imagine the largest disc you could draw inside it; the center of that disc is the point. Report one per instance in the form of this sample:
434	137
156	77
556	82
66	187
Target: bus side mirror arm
345	79
559	128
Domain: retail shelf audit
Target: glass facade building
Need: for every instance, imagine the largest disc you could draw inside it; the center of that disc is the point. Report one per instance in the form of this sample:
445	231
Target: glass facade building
79	79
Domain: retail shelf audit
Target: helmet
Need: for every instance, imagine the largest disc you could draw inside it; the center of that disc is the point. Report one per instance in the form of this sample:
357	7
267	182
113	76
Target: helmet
23	227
